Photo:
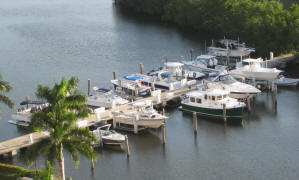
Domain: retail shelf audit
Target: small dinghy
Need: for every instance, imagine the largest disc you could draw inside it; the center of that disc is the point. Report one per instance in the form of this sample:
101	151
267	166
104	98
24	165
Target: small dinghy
283	81
107	136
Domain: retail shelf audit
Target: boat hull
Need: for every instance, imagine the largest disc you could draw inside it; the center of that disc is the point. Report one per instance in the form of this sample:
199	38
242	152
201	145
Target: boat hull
149	123
256	75
230	113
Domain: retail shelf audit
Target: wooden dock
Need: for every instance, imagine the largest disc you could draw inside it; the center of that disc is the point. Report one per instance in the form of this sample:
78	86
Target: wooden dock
11	146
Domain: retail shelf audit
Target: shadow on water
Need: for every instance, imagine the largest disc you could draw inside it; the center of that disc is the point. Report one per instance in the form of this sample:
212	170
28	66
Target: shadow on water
141	19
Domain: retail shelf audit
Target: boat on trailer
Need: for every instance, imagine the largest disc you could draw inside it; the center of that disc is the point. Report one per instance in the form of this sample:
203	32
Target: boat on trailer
213	102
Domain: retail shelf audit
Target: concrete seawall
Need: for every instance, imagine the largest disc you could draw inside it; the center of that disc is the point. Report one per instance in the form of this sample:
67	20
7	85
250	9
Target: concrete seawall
281	61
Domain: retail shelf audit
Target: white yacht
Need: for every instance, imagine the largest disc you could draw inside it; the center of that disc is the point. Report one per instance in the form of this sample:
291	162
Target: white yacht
213	102
105	98
141	114
23	116
237	89
107	136
205	63
175	69
254	70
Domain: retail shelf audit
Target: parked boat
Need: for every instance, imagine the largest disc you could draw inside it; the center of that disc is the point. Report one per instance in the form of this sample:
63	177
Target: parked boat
283	81
132	85
237	89
254	70
107	136
235	45
105	98
213	102
141	114
205	63
175	69
23	115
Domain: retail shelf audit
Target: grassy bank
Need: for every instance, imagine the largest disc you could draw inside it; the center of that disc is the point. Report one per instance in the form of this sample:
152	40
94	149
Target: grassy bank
264	24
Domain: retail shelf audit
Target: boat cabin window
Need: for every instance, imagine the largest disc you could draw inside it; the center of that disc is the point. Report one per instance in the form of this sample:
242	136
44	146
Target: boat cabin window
192	99
206	97
213	98
198	100
219	98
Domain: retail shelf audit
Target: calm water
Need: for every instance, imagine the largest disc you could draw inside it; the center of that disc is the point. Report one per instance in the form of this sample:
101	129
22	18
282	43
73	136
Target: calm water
41	41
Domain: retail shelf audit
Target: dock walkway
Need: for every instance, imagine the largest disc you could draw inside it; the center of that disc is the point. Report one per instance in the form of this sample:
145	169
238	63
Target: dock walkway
12	145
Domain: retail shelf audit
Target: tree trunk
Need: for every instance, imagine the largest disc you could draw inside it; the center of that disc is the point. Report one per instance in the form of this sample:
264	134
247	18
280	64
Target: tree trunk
60	162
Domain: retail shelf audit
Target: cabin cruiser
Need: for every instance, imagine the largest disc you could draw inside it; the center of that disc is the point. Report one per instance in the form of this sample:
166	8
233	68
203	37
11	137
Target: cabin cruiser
205	63
235	45
237	89
254	70
141	114
132	85
105	98
175	69
213	102
23	115
107	136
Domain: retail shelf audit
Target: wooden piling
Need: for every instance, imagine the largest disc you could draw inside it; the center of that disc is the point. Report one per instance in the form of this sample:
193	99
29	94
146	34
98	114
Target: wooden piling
88	87
248	104
114	121
163	128
114	75
195	122
191	54
135	124
224	113
127	146
91	164
163	111
141	68
274	98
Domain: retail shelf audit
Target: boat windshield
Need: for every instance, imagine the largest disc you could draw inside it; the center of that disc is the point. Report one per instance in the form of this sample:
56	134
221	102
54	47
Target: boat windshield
226	79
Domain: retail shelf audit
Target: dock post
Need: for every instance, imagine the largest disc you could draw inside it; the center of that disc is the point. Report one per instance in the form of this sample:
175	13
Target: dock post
141	68
127	146
191	54
195	122
13	153
274	98
91	164
224	113
135	124
163	111
114	121
114	75
248	104
163	128
88	87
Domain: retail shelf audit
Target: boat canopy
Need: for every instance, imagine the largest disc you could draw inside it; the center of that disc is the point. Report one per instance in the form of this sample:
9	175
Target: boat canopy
27	102
205	56
250	60
173	64
132	77
164	74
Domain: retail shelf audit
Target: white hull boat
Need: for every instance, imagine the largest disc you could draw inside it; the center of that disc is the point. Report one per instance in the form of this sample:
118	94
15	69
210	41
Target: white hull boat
254	70
283	81
108	136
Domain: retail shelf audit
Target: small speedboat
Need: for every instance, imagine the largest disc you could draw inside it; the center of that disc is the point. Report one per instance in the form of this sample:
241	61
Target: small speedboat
205	63
283	81
107	136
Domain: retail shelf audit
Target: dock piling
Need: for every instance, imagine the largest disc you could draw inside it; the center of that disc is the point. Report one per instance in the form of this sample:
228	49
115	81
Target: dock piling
163	128
91	164
127	146
224	113
141	68
88	87
274	98
114	121
114	75
191	54
248	104
135	124
195	122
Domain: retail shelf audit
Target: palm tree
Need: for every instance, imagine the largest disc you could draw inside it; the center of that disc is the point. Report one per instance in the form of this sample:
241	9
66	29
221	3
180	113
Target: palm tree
66	105
5	87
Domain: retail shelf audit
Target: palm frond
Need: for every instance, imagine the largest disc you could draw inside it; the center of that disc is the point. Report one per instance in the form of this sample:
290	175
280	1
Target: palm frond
7	101
4	86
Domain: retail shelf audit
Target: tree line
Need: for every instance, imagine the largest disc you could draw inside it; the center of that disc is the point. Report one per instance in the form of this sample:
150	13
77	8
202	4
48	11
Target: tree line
267	25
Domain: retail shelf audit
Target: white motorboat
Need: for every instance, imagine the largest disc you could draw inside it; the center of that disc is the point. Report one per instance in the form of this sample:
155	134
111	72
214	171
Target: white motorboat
235	45
141	114
107	136
237	89
175	69
213	102
283	81
205	63
254	70
105	98
23	115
